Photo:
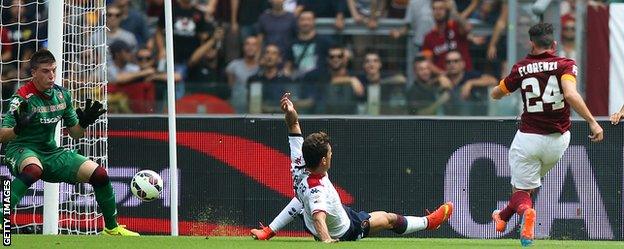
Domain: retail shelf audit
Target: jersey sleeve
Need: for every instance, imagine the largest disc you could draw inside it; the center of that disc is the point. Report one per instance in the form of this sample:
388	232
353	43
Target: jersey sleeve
296	155
569	70
317	200
510	83
69	116
9	119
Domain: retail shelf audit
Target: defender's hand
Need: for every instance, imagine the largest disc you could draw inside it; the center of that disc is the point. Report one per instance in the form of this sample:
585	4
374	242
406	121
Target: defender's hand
90	113
23	117
597	133
330	241
287	105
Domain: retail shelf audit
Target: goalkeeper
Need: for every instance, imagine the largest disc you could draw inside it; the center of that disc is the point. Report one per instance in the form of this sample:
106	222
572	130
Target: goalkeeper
28	131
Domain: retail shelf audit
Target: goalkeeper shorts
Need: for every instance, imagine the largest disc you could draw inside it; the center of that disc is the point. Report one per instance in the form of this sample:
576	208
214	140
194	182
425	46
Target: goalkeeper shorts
59	165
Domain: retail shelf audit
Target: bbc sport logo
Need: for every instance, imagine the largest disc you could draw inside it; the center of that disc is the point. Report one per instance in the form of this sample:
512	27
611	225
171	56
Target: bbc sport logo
6	212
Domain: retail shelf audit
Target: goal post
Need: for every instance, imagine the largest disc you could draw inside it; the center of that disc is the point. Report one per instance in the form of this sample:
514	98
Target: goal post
55	45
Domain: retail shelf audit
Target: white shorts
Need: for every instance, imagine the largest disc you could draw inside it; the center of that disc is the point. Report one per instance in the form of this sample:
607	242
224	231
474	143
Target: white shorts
531	156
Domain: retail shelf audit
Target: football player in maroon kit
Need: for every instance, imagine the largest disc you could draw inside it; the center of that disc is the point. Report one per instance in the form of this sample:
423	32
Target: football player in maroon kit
547	84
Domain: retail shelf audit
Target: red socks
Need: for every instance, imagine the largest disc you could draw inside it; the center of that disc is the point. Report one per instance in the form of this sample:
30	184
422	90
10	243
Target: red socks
520	201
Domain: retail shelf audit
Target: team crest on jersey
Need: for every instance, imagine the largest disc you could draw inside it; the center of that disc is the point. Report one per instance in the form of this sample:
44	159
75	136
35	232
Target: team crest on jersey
59	95
14	104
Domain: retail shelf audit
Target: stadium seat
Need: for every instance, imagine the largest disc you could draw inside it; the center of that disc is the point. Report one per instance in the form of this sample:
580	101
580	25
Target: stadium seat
203	103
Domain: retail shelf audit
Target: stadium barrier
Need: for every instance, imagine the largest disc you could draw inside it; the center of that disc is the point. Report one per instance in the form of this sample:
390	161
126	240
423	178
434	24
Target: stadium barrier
234	172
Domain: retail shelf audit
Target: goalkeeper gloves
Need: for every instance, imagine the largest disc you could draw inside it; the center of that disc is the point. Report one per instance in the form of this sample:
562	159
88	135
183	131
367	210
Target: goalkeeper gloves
23	117
90	113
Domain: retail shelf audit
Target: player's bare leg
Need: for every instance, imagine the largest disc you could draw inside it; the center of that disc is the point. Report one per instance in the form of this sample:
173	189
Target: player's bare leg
381	220
97	176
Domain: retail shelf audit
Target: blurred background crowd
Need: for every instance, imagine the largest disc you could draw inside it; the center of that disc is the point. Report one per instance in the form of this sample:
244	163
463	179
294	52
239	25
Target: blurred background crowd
403	57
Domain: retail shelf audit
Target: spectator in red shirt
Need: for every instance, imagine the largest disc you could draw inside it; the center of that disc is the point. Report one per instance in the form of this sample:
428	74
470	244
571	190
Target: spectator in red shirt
450	33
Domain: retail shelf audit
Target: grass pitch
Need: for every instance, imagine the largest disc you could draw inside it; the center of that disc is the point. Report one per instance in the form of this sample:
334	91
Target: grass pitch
107	242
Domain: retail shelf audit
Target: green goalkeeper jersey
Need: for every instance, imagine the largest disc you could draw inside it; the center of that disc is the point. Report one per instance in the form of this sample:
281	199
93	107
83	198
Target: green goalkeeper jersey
50	106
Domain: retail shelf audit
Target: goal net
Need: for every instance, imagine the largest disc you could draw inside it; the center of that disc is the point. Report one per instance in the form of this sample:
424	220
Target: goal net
24	29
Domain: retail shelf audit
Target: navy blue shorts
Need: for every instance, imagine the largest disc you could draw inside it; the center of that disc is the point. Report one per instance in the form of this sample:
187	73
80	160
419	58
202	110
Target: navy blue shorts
359	225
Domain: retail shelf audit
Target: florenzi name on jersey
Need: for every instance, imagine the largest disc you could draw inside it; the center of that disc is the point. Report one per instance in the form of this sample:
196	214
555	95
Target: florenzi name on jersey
537	67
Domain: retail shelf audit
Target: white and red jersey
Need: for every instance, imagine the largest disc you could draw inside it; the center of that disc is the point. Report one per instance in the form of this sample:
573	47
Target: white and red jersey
316	193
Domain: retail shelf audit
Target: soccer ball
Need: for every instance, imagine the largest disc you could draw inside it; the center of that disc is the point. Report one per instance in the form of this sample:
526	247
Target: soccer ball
146	185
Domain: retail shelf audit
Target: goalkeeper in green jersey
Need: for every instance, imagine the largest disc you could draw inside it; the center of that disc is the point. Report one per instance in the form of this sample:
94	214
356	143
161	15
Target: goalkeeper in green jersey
28	131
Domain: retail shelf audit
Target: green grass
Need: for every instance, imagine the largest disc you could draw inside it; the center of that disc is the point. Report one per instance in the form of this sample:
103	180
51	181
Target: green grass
157	242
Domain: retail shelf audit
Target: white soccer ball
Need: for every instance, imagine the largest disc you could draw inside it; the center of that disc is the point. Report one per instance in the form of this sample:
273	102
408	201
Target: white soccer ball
146	185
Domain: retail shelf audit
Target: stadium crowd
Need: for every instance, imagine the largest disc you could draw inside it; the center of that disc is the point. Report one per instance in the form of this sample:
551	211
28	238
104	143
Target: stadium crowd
222	48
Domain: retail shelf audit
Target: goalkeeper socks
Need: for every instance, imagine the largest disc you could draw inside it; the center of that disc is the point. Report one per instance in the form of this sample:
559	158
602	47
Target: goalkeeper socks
287	215
104	196
29	175
409	224
519	201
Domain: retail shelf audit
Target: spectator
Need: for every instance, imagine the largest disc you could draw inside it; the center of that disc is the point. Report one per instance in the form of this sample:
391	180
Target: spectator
365	11
419	19
466	7
308	52
373	74
249	12
190	31
145	60
274	82
202	66
469	95
122	72
392	87
239	70
429	91
397	8
326	9
133	21
568	39
276	26
449	33
225	15
115	31
204	74
344	91
497	44
338	61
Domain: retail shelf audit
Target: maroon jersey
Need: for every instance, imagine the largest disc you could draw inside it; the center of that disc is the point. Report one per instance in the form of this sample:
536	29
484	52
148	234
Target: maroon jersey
437	44
539	79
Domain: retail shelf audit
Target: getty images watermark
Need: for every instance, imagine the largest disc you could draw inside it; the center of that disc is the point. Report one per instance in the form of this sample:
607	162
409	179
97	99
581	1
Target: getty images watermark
6	212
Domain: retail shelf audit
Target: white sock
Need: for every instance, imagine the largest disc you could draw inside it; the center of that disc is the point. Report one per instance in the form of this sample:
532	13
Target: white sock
415	224
287	215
